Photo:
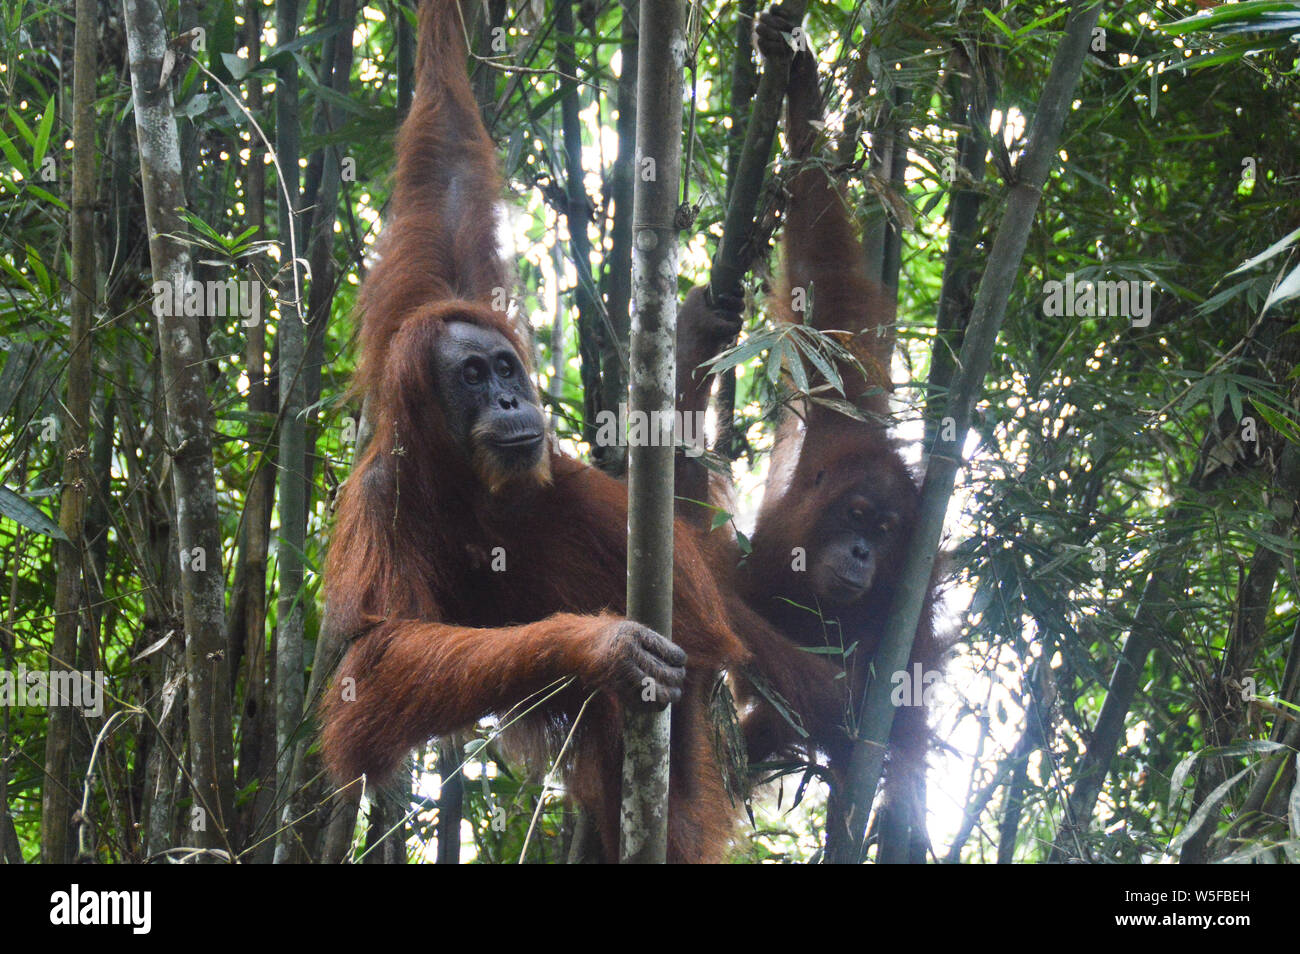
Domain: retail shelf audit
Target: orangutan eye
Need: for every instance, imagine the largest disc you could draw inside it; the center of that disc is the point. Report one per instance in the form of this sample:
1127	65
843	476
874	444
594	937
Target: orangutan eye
473	372
504	369
887	523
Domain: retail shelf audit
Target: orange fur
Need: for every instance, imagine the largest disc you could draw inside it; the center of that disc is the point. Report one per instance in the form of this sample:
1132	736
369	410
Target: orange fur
441	640
818	458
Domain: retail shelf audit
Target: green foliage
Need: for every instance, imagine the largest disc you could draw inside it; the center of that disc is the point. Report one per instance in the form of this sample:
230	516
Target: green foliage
1106	453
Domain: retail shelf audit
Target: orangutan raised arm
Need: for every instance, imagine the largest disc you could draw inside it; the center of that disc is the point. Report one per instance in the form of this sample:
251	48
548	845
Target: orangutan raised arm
478	571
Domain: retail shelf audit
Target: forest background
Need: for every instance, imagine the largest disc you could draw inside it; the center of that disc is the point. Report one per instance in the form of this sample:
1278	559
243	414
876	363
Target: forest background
1122	597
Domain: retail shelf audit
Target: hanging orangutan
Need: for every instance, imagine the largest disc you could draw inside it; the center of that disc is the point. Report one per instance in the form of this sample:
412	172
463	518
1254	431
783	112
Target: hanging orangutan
839	504
477	571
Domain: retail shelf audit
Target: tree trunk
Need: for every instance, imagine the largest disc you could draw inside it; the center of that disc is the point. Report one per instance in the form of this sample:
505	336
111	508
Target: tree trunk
188	435
451	801
744	84
57	795
644	829
307	788
957	293
577	215
618	264
295	490
734	252
249	602
876	713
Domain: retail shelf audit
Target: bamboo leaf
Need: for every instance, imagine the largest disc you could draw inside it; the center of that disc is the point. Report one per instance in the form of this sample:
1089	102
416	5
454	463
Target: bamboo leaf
1286	289
237	65
1281	245
1211	804
797	370
26	514
15	158
23	129
43	133
1248	12
46	196
42	275
775	358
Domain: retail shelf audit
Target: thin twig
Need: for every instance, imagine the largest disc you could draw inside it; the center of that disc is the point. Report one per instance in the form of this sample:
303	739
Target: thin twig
559	757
